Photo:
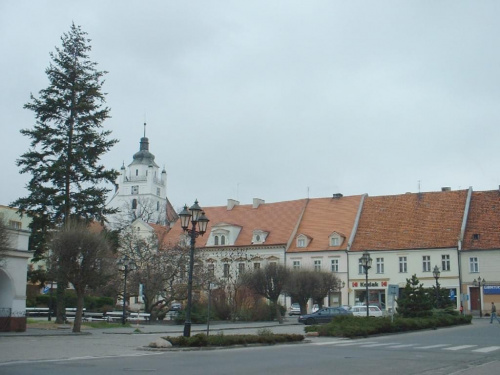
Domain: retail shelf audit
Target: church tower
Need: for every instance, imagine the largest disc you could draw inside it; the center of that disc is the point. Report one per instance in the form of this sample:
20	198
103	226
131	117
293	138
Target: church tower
141	191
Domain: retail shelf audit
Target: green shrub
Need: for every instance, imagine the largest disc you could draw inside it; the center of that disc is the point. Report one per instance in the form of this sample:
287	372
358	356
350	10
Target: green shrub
201	340
350	326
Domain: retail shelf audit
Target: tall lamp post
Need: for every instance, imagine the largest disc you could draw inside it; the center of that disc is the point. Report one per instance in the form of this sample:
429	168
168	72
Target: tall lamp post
196	216
480	282
436	273
125	264
366	262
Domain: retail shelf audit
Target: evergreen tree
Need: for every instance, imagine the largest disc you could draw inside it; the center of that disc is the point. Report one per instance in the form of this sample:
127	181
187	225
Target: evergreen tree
414	301
67	142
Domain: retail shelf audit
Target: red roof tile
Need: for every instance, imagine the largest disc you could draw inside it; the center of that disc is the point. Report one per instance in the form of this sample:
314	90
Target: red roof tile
322	217
411	221
279	219
483	222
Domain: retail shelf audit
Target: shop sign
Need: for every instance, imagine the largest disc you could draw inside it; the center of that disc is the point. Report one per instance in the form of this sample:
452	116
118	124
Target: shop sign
491	289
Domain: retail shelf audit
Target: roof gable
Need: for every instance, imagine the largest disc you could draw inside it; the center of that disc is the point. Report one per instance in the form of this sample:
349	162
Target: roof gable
483	222
411	221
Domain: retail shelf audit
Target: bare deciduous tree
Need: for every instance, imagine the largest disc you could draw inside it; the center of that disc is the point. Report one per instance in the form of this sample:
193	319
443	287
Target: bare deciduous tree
4	241
268	282
85	259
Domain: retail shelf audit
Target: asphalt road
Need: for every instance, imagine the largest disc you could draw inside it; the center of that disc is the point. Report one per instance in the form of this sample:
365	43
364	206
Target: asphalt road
471	350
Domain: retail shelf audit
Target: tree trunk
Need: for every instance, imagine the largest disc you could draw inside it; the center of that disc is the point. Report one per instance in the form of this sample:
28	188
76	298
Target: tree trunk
278	312
77	324
60	306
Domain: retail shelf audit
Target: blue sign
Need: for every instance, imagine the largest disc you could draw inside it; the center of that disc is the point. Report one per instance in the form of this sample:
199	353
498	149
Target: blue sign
45	289
491	289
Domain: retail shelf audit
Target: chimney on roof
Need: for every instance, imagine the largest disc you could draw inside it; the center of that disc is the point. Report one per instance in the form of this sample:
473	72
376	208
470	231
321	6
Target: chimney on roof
257	202
231	203
446	188
337	196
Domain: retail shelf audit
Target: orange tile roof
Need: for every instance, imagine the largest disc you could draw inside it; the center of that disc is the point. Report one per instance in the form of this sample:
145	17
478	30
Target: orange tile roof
322	217
483	221
411	221
279	219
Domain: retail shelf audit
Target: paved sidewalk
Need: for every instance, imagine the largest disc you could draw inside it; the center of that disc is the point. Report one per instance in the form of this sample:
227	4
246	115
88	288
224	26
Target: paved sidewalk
157	328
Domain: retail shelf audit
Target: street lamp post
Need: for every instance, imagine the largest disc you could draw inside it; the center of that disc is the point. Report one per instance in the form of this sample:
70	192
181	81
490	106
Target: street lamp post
366	262
436	274
196	216
125	264
480	282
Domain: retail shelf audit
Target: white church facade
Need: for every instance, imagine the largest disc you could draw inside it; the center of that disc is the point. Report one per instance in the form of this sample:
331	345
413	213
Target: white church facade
141	191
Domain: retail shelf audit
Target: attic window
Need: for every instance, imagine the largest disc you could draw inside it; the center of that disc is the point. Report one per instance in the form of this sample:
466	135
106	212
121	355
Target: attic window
475	236
301	242
334	241
259	236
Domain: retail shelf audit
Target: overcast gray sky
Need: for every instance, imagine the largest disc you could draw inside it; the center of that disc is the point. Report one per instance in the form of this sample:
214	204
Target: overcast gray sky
276	100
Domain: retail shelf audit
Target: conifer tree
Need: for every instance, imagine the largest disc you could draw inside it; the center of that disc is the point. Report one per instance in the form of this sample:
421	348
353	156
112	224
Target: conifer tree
67	143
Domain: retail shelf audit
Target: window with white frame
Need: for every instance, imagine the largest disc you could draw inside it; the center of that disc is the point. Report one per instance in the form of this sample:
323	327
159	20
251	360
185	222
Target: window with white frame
222	240
15	224
317	265
226	270
403	264
216	240
380	265
473	264
241	267
301	242
334	241
335	265
445	262
296	264
361	269
426	263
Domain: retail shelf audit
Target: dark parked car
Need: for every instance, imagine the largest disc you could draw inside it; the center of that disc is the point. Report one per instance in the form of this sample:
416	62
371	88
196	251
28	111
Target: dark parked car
324	315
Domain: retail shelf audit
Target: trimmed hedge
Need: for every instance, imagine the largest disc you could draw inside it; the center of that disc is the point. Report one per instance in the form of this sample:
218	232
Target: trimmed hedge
202	340
349	326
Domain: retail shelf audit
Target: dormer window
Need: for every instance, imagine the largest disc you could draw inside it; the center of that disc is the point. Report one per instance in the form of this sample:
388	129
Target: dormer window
222	240
302	240
336	239
216	240
259	236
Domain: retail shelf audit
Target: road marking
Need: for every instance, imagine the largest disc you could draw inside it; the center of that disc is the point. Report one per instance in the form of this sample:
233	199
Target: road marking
352	343
330	343
487	349
401	346
379	344
432	346
460	347
78	358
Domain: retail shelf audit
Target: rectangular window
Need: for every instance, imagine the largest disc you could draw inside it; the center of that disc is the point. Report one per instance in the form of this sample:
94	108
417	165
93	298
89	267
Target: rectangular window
445	262
317	265
296	264
135	189
158	191
226	270
380	265
15	224
334	241
241	268
256	266
403	265
473	264
361	269
426	263
301	242
211	269
335	265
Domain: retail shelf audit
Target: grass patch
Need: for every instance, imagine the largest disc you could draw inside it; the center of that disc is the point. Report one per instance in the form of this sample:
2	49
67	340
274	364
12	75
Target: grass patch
105	325
202	340
352	327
